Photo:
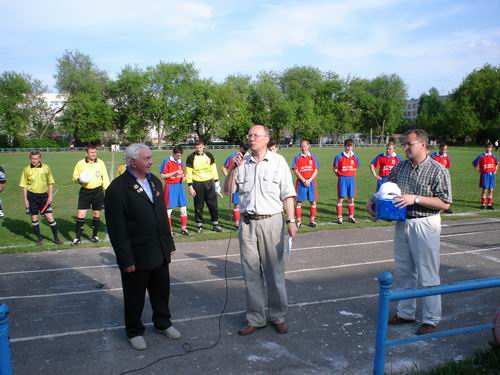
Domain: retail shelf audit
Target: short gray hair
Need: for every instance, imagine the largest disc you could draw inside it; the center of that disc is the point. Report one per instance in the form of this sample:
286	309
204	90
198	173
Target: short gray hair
132	152
421	135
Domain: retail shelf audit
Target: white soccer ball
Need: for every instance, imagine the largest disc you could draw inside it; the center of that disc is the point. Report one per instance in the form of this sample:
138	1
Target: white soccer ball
85	177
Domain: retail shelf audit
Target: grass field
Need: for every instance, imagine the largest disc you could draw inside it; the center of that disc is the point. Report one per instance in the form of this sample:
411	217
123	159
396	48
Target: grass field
16	234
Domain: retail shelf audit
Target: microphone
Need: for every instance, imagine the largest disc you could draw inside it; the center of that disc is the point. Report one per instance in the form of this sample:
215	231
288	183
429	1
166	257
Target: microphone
243	150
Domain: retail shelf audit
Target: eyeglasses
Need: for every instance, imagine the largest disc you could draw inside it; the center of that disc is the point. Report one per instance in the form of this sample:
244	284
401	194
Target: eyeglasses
250	136
409	144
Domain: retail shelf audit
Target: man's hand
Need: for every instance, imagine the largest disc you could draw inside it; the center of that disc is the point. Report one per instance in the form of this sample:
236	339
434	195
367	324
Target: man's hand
307	182
292	230
129	269
192	192
404	200
238	159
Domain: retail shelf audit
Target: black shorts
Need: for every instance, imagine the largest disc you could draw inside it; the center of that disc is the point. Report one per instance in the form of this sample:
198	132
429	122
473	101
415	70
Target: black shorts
91	198
37	202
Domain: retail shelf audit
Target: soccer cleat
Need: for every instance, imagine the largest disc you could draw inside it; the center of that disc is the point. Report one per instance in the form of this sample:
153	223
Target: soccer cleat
1	213
313	224
184	232
217	228
57	241
299	223
352	220
94	239
199	230
39	242
483	207
76	242
490	207
339	221
448	211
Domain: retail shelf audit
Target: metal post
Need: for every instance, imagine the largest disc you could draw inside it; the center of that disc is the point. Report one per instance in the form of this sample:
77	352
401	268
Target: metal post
5	356
385	281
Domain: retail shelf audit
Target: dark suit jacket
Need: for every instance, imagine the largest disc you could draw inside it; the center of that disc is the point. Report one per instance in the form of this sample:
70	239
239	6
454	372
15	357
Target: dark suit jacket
138	228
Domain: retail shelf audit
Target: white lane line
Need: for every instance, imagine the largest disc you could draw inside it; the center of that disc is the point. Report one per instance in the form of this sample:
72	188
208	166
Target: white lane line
237	255
488	221
57	269
349	265
192	319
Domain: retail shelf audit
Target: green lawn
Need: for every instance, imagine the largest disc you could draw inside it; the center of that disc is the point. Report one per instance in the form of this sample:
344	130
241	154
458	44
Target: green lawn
16	234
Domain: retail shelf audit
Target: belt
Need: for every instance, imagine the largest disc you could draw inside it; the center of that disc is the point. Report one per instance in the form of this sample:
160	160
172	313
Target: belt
255	216
419	217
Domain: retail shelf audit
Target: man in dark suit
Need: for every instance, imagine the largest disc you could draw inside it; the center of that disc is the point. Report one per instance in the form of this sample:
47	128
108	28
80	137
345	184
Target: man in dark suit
141	238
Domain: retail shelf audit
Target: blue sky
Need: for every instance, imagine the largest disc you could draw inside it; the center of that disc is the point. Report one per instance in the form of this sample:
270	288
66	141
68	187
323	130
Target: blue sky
427	42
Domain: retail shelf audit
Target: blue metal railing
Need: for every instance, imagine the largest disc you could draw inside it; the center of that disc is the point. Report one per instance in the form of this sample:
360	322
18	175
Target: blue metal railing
5	355
386	296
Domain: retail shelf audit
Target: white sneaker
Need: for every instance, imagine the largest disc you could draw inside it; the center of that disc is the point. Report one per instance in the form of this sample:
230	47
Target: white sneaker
171	332
138	343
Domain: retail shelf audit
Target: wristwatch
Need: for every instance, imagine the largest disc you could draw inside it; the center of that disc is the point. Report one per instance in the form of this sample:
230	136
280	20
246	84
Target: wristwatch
291	221
417	200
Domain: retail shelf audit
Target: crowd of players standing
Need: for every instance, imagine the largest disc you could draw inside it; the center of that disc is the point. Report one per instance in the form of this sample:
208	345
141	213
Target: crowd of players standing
200	174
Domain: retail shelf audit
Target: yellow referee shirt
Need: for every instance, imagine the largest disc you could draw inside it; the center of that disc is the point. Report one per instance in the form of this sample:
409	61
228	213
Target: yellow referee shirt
121	168
37	179
201	168
98	173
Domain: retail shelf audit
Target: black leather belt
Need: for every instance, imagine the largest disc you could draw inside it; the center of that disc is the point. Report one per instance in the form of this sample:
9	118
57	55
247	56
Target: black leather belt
418	217
248	217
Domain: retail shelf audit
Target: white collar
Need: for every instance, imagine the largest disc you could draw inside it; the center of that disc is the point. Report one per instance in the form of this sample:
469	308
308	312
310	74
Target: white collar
348	155
306	155
175	161
391	155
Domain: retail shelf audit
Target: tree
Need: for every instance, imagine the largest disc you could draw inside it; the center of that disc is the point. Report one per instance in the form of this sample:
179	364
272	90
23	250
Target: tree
170	99
24	113
385	109
269	106
301	86
433	114
86	113
15	89
130	99
235	93
475	103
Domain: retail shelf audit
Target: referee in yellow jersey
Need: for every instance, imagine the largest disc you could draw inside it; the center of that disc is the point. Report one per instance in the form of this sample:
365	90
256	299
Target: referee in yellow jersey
93	178
203	185
37	183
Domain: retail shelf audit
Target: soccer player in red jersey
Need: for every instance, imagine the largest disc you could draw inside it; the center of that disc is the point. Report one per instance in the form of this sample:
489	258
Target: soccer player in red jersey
306	166
442	158
172	173
385	162
345	166
486	164
235	198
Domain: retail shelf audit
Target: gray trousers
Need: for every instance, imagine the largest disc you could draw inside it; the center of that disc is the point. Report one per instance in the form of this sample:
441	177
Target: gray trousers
261	249
416	255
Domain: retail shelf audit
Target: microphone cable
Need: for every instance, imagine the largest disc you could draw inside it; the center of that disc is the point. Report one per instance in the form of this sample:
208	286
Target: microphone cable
188	349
